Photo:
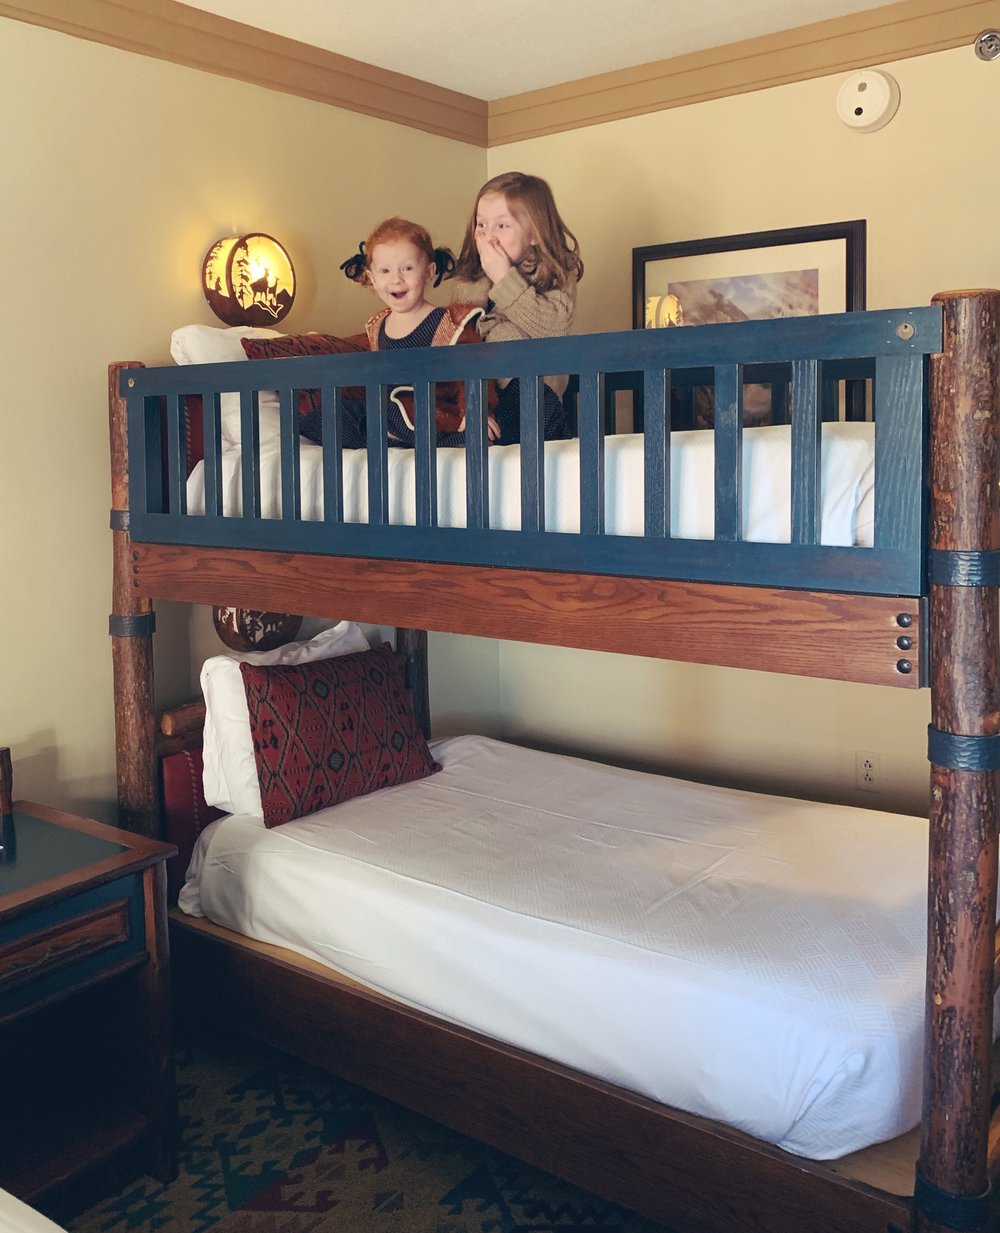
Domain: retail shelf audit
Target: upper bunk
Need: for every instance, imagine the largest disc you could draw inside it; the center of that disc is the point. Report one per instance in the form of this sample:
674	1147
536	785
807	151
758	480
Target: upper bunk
787	600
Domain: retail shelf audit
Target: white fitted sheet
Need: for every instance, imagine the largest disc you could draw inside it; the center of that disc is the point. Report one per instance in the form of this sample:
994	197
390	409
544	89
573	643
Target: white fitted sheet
847	507
18	1217
753	959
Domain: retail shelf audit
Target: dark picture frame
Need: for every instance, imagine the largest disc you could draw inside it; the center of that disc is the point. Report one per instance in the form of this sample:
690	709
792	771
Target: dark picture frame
788	271
835	252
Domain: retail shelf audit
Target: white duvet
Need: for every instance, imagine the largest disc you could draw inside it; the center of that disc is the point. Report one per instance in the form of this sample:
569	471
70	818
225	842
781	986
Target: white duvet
847	508
753	959
18	1217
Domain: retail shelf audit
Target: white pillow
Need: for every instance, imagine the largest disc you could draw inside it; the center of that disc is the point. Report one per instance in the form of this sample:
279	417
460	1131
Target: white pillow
230	778
207	344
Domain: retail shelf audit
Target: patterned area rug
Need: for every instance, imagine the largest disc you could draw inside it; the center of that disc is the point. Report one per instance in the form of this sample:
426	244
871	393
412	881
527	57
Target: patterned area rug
270	1145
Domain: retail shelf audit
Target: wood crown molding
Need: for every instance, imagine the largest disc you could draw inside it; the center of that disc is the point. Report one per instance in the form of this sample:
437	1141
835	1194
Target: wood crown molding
184	35
192	37
843	44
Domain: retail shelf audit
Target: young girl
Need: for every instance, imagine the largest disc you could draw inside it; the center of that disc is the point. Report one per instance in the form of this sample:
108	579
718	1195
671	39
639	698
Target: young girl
400	262
521	262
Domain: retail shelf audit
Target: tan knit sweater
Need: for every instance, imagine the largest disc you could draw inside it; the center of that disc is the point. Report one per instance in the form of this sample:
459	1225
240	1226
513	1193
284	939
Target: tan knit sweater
519	311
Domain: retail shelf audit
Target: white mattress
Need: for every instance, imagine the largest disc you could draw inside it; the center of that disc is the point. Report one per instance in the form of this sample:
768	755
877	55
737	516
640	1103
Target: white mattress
752	959
17	1217
847	509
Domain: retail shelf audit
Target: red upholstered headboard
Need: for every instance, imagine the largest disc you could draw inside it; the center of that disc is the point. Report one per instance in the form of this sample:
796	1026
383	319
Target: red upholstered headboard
185	814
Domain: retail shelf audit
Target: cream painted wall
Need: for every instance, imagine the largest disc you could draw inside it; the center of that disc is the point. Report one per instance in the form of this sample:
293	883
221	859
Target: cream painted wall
118	173
777	158
112	158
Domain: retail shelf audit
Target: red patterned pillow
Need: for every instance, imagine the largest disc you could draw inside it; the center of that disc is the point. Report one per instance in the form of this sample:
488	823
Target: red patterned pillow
326	731
293	345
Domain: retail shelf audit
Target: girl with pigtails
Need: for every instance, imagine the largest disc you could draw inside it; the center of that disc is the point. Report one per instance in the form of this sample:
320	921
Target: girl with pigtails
399	261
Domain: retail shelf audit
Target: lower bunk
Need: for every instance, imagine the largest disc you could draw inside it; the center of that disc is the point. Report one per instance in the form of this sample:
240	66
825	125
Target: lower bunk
611	975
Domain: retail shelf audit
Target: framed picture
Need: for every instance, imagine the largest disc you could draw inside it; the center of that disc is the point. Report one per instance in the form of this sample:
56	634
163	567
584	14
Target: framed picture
790	272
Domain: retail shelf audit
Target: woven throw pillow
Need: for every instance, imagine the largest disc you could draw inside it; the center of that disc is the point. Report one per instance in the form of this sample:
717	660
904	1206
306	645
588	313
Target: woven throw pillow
230	777
329	731
290	346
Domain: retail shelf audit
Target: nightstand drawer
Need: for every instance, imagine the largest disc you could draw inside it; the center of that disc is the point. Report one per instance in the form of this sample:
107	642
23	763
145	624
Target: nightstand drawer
70	944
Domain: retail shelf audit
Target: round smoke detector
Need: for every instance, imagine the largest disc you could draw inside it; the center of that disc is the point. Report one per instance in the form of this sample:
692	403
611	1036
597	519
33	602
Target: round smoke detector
867	100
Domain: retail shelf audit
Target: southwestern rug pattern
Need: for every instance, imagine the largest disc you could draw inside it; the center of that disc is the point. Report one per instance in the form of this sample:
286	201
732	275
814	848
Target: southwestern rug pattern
271	1145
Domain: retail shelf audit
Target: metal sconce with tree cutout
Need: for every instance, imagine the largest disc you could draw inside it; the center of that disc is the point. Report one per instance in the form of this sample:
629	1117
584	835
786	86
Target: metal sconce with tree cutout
249	280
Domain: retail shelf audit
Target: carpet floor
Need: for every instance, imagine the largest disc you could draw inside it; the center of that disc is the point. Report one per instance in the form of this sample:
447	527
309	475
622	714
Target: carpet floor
271	1145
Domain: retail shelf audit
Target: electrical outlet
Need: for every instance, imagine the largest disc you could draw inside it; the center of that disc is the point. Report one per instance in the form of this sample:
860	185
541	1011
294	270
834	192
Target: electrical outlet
867	771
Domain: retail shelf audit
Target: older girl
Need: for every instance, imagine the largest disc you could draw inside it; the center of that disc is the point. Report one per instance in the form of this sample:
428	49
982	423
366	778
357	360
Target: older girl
521	263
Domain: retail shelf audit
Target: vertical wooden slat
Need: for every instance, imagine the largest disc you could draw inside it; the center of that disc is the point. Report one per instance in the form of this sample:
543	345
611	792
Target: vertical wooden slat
250	453
425	453
212	446
656	453
152	1079
532	453
288	428
333	454
176	456
412	645
477	479
728	451
591	430
131	656
965	700
806	456
377	434
899	450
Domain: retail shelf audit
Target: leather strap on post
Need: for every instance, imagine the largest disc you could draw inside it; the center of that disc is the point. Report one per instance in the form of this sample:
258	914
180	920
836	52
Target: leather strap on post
964	569
967	1213
962	753
139	626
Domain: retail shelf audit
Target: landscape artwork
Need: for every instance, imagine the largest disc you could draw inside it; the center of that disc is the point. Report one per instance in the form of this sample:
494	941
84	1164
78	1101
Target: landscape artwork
747	297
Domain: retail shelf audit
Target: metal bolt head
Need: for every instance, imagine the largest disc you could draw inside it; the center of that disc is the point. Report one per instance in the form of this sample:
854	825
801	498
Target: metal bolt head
988	45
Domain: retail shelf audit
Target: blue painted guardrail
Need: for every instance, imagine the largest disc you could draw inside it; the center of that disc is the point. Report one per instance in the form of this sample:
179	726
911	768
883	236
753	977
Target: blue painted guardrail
890	349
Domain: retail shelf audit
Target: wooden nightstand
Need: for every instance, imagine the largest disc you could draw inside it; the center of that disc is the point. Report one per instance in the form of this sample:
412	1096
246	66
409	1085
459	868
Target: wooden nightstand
87	1093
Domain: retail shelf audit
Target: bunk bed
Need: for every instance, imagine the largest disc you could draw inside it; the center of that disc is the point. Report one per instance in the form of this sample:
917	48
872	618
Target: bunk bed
918	607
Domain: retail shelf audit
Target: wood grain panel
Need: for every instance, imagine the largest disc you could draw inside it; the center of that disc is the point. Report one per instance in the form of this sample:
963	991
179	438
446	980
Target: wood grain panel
630	1150
803	633
184	35
71	941
910	28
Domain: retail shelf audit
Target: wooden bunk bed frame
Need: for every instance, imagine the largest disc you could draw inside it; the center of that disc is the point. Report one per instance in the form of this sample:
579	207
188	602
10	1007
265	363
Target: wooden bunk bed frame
919	608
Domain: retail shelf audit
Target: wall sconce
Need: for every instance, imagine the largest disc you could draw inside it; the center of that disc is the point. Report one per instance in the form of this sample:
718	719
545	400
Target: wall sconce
245	629
248	280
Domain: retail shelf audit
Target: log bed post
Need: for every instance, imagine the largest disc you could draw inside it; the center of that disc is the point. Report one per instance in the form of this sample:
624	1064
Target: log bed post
131	626
953	1172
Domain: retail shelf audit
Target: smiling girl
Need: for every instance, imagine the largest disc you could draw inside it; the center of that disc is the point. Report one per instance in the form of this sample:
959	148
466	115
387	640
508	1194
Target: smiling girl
399	261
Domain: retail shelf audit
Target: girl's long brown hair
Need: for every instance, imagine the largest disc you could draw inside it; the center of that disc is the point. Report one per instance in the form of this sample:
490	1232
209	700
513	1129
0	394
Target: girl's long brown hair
554	260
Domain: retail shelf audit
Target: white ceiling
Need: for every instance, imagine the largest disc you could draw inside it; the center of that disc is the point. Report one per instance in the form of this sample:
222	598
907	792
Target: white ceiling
494	51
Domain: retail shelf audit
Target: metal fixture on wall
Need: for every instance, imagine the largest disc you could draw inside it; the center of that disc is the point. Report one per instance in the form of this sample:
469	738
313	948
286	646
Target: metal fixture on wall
248	279
988	45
